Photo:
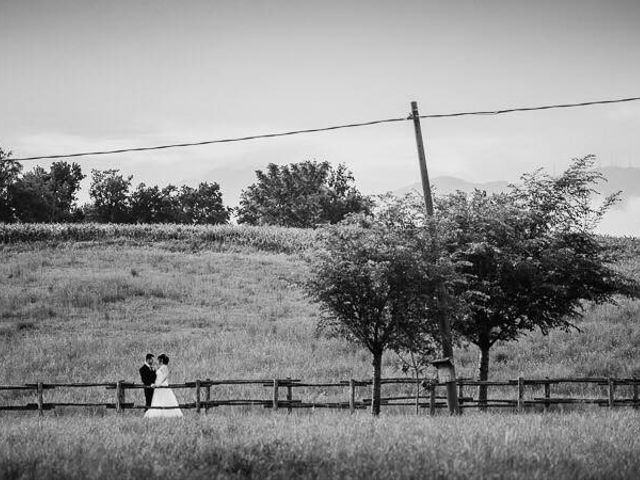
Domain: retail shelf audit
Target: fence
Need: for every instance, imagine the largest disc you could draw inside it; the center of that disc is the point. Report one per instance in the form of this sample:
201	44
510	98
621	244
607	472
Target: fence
425	396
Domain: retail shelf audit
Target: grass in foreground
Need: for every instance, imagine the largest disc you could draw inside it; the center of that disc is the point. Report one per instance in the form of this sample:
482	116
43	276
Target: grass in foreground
331	445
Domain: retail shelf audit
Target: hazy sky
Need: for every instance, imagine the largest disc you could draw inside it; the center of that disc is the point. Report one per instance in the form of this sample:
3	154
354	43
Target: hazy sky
88	74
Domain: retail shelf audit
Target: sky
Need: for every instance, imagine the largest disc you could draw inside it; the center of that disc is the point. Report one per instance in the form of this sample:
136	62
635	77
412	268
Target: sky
90	75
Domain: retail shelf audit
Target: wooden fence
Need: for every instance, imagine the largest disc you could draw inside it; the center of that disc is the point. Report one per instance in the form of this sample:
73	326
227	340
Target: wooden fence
424	396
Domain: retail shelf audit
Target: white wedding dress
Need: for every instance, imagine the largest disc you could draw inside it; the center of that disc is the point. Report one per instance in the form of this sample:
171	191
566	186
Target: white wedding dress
163	397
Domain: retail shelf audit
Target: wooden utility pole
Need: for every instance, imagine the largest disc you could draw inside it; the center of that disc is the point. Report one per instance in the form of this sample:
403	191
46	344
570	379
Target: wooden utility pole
443	320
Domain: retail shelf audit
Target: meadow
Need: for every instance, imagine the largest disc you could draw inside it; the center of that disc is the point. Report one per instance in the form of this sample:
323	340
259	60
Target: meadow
88	309
552	446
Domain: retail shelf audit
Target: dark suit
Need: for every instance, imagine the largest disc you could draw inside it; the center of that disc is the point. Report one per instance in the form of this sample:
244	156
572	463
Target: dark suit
148	376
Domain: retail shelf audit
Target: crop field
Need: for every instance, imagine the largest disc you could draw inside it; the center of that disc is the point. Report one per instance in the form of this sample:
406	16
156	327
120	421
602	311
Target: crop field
87	309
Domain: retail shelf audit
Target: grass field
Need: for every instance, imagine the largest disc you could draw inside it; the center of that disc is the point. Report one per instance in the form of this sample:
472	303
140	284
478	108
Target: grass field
603	445
89	311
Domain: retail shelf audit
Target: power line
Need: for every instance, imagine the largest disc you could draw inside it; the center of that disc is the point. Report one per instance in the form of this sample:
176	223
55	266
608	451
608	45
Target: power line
209	142
529	109
324	129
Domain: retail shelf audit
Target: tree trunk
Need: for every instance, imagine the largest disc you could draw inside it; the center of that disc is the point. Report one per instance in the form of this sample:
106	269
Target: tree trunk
483	374
375	385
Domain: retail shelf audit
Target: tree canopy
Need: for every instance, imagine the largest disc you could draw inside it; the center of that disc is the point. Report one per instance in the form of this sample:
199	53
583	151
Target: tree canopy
303	195
529	257
376	280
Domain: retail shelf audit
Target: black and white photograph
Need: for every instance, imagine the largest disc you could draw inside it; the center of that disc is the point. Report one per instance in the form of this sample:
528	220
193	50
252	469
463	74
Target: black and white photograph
336	239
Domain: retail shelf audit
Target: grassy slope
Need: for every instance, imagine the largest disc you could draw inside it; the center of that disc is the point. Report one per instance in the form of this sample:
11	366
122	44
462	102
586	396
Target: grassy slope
78	312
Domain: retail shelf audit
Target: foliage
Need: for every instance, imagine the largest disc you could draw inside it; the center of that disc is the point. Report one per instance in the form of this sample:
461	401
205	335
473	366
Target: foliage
566	202
301	195
376	279
64	184
110	193
202	205
528	259
9	172
41	196
31	197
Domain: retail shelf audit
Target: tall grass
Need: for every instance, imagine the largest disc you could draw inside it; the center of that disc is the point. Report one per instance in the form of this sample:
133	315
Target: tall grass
89	310
267	238
75	312
333	445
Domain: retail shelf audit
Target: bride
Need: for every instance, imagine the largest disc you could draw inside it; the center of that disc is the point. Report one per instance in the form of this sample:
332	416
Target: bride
163	397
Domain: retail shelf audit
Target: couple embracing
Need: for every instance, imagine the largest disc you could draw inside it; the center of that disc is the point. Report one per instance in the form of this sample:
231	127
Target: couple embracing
160	402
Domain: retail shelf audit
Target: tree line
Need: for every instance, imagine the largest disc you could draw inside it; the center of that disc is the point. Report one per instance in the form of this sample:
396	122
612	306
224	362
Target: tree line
304	195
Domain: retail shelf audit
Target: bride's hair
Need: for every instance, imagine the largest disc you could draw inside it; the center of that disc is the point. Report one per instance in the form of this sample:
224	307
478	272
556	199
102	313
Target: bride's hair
163	359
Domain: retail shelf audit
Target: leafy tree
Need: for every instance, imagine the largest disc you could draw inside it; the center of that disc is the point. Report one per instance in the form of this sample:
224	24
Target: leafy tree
41	196
9	173
32	197
376	279
203	205
301	195
64	184
146	203
529	258
110	193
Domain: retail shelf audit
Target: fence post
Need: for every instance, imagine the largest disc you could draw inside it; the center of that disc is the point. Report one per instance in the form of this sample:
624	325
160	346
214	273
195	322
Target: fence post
635	394
352	395
520	404
432	400
289	395
207	396
275	393
119	396
612	389
123	395
40	400
547	395
460	394
417	395
197	396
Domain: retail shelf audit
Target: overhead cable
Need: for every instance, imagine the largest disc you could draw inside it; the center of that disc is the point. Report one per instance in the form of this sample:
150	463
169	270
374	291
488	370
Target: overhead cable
323	129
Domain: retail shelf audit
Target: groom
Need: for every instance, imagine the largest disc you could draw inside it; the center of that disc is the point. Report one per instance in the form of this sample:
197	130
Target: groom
148	376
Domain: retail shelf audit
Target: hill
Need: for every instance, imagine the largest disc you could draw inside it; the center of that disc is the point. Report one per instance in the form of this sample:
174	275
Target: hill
618	179
443	185
90	310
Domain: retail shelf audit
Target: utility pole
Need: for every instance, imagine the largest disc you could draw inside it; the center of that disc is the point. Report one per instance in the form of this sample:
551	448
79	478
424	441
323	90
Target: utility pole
443	320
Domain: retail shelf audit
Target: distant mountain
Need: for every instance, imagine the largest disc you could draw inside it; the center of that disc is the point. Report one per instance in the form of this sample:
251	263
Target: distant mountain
445	185
625	179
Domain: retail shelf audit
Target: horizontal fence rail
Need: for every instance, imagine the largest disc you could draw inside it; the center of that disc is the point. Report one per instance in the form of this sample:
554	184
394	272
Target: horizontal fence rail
424	395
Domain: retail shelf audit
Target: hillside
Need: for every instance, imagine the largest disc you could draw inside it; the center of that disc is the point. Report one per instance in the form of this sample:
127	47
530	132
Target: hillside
80	311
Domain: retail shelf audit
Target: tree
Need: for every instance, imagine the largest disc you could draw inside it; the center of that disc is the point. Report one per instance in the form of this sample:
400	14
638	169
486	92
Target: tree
301	195
31	196
110	193
376	280
203	205
145	204
9	173
529	258
41	196
64	184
